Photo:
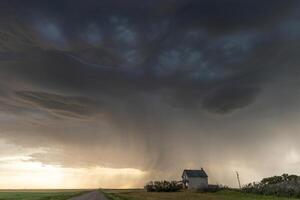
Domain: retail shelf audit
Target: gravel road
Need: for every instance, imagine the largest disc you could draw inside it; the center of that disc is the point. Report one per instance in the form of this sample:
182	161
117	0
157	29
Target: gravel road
95	195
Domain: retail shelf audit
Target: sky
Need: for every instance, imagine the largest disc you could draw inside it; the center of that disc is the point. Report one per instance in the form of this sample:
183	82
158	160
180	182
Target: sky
115	93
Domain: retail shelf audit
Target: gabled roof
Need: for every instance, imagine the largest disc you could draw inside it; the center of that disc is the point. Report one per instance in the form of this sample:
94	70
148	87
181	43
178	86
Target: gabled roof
195	173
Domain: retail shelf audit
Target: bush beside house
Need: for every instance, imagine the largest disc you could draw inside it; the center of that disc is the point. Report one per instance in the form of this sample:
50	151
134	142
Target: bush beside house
163	186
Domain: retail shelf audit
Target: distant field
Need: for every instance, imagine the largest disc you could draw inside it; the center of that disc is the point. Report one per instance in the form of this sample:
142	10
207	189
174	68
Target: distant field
39	194
223	195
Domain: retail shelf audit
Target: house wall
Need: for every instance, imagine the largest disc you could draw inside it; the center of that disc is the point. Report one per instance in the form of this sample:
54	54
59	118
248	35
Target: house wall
197	182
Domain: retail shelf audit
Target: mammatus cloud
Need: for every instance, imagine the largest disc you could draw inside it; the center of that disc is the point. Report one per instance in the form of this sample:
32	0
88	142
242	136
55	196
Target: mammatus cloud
155	86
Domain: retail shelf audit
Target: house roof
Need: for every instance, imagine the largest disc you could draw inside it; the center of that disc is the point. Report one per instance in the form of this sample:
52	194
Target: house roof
195	173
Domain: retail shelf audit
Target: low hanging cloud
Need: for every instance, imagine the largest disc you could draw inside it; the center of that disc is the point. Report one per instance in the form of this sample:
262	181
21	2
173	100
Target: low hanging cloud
225	100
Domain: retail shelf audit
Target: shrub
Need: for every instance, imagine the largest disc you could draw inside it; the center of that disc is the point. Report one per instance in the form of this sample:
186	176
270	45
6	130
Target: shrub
163	186
285	185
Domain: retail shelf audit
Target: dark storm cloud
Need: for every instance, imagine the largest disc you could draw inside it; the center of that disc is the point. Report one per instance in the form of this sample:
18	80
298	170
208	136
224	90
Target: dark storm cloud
137	71
233	15
225	100
108	50
212	15
68	106
191	54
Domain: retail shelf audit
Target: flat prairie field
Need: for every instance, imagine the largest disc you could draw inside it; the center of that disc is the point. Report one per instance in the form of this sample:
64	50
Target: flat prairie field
39	194
222	195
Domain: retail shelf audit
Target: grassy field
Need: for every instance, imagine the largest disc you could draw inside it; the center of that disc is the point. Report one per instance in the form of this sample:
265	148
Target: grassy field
222	195
39	194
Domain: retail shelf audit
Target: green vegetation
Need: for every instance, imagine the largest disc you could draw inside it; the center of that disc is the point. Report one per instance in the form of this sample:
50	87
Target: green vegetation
38	194
185	195
285	185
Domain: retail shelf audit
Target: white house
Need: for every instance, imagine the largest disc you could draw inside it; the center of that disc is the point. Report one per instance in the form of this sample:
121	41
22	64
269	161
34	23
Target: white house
194	179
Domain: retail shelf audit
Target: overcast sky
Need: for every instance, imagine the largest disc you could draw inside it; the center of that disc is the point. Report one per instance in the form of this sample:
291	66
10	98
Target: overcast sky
119	93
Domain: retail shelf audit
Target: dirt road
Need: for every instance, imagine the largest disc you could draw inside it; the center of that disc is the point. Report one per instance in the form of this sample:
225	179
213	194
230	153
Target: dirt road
95	195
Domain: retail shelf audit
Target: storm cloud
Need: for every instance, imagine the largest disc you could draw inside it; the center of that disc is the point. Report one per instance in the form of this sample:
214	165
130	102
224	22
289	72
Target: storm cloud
163	81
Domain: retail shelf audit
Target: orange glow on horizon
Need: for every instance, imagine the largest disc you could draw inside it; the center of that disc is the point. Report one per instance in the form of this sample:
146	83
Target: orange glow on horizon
18	172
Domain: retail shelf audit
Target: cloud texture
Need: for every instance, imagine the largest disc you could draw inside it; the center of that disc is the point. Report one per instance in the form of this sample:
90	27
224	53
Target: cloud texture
149	85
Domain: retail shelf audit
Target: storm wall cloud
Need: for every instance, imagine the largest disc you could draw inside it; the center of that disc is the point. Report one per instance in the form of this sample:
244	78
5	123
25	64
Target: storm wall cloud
146	84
